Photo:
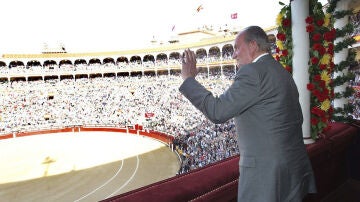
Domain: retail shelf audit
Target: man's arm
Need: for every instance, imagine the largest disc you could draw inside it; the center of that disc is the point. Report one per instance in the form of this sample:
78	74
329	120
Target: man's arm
241	95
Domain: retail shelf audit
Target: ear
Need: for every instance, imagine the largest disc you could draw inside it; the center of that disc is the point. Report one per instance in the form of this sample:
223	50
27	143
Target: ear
254	47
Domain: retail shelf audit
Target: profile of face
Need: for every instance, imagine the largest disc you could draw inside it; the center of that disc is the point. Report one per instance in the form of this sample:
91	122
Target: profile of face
243	51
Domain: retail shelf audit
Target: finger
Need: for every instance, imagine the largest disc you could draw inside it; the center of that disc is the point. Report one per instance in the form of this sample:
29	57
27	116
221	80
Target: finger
192	56
187	55
183	57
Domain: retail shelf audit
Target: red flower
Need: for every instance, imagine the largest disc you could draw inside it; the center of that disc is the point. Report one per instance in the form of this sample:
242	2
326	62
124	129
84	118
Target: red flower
326	91
322	84
316	93
330	49
277	50
288	68
314	121
322	50
332	93
320	96
317	111
309	19
329	36
281	36
310	28
286	22
314	60
285	53
317	77
277	57
332	65
320	22
316	37
317	46
322	66
324	119
310	86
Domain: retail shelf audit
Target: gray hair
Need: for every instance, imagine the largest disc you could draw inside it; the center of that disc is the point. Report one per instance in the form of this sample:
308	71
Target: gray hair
257	34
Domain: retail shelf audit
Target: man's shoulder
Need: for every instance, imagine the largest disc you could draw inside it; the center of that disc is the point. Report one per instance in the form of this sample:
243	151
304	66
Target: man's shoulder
265	58
248	70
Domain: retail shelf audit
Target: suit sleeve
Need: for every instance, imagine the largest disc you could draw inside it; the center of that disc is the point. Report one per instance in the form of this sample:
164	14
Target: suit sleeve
241	95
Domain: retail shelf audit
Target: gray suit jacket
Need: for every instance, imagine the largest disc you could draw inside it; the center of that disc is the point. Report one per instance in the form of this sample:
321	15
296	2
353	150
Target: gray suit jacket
264	102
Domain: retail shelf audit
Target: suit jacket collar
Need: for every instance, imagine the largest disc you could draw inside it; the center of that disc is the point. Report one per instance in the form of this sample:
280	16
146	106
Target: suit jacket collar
260	56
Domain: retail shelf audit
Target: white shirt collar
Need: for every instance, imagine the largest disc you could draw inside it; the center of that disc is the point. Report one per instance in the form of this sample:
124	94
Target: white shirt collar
258	57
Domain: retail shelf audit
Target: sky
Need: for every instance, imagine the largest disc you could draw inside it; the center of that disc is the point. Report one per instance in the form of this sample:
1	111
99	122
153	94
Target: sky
112	25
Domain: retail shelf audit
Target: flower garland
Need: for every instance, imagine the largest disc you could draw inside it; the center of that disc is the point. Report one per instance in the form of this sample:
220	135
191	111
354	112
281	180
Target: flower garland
284	39
321	66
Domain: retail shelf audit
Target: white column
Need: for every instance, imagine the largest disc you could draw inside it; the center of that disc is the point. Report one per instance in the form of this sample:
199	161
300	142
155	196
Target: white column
342	55
301	43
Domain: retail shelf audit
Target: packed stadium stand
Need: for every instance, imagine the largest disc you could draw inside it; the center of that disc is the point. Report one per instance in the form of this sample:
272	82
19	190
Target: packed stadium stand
140	89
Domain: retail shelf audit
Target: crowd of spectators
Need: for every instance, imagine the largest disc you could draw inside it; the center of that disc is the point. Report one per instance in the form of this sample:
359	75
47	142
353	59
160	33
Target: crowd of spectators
123	101
120	102
54	68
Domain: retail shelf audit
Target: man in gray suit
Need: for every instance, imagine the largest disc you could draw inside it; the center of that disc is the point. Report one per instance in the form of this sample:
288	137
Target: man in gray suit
264	102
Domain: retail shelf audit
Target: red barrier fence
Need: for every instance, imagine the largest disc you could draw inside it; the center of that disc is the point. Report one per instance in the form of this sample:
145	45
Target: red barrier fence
167	139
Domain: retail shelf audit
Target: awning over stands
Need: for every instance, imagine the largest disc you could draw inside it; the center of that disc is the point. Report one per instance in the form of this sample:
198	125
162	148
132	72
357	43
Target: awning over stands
15	64
2	64
65	62
94	61
80	62
108	61
33	63
214	52
49	63
136	59
174	55
227	51
161	56
122	59
148	58
201	53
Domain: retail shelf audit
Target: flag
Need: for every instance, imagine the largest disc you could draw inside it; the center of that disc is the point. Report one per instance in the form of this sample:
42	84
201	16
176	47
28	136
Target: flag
149	114
233	16
199	8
